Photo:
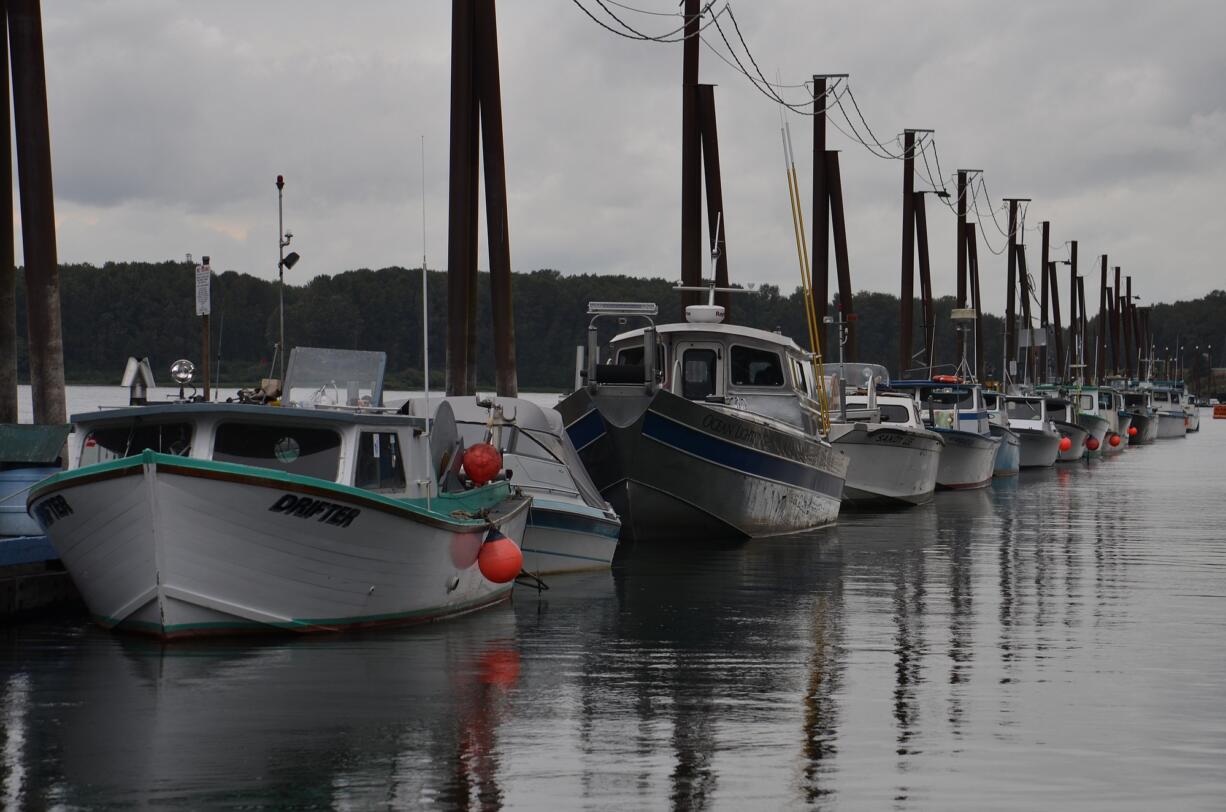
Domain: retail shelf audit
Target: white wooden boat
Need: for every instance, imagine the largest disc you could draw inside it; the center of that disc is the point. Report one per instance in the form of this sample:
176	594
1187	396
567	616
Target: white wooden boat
1040	441
330	512
893	458
955	410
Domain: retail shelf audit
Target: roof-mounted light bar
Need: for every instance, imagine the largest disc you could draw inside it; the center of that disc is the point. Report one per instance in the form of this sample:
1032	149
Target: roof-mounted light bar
622	309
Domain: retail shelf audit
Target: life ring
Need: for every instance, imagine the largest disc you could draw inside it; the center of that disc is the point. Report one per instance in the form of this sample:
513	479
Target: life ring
945	379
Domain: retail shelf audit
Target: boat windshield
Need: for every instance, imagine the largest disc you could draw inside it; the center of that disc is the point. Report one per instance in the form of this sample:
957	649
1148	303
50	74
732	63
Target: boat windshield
331	377
106	444
894	413
1024	409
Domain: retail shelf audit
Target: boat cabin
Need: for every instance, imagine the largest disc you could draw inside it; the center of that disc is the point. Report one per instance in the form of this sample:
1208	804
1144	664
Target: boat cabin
949	406
331	426
740	367
1027	412
890	408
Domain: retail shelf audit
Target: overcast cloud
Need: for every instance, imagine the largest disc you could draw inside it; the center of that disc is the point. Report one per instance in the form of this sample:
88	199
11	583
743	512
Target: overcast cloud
171	120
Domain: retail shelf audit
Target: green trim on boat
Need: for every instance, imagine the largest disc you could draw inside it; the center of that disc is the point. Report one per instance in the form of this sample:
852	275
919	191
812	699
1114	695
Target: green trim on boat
443	507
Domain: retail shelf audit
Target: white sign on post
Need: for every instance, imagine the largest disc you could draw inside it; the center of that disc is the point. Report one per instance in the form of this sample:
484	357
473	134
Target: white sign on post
203	277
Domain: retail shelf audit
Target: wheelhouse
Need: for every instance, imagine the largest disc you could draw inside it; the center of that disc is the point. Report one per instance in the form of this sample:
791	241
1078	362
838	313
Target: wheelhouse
738	367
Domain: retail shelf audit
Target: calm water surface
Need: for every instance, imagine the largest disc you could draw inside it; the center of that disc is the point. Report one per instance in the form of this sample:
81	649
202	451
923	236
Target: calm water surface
1057	641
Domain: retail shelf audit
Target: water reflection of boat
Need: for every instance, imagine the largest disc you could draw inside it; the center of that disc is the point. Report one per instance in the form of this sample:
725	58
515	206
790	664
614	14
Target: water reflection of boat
197	518
337	722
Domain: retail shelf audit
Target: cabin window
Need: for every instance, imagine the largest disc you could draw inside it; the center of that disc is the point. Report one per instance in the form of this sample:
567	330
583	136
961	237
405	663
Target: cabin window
380	464
753	367
799	379
1087	403
293	449
102	445
894	413
633	356
698	374
1024	410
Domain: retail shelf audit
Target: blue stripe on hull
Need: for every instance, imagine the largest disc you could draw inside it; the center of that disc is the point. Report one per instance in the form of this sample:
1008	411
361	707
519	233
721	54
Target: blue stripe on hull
739	457
586	430
573	523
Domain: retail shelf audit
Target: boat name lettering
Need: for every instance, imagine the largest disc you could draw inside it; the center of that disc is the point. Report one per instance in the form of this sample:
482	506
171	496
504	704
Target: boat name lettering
304	507
769	442
51	510
901	440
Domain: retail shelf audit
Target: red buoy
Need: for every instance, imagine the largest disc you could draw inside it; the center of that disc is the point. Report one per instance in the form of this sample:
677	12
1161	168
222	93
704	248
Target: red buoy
1092	444
482	462
1132	431
1066	443
500	559
1115	441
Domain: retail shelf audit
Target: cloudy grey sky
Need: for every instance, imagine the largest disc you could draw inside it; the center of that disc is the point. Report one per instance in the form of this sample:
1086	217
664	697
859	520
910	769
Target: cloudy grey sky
171	120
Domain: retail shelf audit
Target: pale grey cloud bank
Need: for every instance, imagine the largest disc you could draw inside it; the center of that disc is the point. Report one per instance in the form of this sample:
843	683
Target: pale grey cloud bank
171	120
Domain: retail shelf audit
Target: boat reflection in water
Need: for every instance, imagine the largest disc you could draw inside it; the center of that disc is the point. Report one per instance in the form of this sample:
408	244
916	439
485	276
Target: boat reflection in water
362	720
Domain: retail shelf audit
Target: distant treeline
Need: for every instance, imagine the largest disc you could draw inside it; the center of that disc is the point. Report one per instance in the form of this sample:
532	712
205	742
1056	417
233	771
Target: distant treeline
134	308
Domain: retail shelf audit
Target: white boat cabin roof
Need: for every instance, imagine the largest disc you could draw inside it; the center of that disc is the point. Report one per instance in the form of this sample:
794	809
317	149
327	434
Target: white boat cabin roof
727	331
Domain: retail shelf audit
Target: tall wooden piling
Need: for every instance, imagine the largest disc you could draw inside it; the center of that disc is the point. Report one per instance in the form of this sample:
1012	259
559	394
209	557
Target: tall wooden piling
46	345
961	253
8	256
907	293
476	135
838	224
717	222
1044	323
691	145
972	258
1130	331
1057	324
1011	291
1104	324
821	211
928	331
1073	343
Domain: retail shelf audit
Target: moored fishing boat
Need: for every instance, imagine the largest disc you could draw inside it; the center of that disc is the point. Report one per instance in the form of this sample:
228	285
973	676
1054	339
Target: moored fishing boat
192	518
703	430
1040	441
570	526
1111	408
893	458
1168	403
955	411
1008	458
1073	438
1139	403
1085	408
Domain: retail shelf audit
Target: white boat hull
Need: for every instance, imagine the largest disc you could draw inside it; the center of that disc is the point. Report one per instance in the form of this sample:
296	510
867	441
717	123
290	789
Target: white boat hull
887	463
176	552
563	537
1172	424
1039	449
967	460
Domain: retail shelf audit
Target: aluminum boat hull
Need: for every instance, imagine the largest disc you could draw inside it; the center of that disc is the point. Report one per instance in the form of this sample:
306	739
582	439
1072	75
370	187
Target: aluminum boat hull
677	470
1008	458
